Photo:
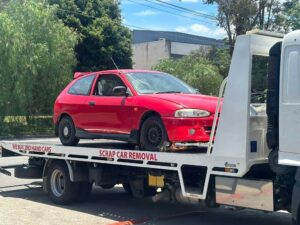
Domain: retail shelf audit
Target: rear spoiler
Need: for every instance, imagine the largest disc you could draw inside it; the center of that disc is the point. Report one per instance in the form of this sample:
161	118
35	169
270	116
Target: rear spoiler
79	74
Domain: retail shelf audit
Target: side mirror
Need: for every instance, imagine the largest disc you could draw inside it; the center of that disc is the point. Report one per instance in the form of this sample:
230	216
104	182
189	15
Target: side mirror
119	91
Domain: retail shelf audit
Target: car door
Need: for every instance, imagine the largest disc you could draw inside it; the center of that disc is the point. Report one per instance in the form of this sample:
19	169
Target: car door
109	114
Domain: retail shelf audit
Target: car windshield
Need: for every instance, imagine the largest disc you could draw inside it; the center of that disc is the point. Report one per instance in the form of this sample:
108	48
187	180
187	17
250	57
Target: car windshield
155	83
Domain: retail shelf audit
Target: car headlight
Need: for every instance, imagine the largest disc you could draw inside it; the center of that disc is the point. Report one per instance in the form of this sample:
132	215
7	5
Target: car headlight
182	113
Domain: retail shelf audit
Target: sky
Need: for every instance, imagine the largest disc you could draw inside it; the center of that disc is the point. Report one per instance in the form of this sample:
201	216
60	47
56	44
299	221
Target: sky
155	15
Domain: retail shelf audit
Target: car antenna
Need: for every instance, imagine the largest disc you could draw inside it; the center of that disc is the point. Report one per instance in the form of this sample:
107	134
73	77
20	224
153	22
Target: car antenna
112	59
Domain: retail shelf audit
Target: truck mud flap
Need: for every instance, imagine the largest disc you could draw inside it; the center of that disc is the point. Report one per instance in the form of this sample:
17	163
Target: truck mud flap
28	172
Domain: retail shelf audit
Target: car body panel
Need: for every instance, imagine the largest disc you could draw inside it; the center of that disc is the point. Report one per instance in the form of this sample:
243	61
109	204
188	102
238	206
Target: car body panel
109	115
188	129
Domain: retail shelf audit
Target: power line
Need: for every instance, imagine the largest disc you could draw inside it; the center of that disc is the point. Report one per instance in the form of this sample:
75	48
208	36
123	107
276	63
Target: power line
208	16
190	11
166	11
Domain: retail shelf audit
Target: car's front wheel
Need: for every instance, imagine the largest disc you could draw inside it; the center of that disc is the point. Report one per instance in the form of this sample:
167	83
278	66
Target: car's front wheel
66	132
153	134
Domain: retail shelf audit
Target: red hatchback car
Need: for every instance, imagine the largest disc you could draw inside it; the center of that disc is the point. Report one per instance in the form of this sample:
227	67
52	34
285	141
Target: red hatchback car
152	109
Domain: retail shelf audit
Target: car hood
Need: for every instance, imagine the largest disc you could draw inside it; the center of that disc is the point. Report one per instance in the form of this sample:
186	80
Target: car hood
192	101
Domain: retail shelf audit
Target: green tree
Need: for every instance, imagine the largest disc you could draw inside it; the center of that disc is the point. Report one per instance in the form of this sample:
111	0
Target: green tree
197	69
290	16
36	58
221	59
259	79
102	35
239	16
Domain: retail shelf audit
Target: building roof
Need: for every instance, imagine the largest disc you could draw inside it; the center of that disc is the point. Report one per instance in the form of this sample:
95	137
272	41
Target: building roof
142	36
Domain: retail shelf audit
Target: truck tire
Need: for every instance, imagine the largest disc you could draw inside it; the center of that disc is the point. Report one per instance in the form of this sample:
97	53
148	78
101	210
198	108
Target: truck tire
29	172
61	189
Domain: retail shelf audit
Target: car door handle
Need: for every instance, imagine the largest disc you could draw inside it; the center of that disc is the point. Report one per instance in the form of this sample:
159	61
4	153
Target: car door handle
91	103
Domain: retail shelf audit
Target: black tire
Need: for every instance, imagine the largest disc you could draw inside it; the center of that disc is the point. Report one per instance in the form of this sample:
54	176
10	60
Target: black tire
29	172
66	132
84	191
153	134
127	188
61	189
107	186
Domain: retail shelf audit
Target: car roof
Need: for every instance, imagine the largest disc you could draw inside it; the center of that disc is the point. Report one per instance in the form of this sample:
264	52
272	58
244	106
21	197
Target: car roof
128	71
81	74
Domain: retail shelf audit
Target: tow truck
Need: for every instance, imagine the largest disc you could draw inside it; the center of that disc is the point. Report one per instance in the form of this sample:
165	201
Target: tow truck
251	161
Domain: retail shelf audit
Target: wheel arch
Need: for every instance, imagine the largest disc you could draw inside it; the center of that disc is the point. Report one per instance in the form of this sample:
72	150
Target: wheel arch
146	115
136	133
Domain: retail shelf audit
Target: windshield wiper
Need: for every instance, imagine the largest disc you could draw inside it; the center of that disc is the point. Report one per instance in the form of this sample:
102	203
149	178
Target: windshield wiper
162	92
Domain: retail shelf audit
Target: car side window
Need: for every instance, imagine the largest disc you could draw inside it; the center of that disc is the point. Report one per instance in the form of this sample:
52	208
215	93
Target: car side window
82	86
106	83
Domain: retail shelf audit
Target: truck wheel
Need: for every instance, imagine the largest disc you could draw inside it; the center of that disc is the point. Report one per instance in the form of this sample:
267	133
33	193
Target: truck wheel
60	188
29	172
153	134
84	190
66	132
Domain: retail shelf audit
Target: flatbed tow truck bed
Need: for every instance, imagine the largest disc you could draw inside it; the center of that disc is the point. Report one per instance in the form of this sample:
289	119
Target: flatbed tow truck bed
156	168
113	153
26	200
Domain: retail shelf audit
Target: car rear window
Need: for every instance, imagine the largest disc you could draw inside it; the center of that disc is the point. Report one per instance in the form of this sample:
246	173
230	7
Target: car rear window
82	86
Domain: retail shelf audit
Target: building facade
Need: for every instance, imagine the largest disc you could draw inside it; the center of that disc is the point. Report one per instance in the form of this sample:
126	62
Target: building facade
149	47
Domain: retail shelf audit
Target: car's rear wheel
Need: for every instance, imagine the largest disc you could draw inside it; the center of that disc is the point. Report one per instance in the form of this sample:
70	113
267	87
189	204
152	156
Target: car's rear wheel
153	134
66	132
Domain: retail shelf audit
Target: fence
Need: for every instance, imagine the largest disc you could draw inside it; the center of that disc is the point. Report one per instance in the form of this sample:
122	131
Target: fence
16	126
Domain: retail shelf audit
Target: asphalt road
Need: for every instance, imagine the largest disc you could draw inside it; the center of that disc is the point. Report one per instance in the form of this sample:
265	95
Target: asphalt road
24	202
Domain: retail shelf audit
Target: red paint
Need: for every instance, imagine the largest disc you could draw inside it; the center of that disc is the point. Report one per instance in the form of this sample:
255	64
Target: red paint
33	148
135	155
121	115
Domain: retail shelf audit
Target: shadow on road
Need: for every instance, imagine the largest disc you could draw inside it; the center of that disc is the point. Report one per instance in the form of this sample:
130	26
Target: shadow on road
116	204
